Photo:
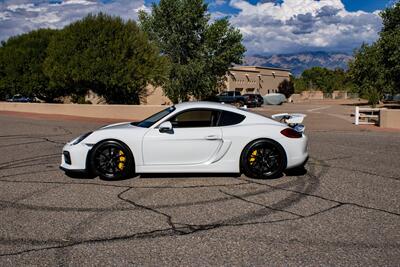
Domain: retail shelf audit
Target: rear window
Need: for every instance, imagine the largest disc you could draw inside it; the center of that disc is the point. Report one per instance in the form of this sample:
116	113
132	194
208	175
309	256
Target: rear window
230	118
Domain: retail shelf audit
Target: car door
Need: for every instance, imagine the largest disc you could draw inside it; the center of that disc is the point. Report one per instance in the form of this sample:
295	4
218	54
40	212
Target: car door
195	139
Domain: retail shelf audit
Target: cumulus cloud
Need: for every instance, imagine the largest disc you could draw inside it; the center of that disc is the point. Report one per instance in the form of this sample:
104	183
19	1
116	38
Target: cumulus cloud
19	16
303	25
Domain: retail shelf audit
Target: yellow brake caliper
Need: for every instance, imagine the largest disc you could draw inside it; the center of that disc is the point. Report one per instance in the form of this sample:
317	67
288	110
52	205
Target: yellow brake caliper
253	157
122	159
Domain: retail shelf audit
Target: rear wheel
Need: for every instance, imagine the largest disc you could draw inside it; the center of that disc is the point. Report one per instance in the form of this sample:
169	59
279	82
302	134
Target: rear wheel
238	104
263	159
112	160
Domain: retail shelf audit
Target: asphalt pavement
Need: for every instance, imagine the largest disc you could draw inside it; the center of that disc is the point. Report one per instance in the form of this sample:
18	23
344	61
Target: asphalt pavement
344	210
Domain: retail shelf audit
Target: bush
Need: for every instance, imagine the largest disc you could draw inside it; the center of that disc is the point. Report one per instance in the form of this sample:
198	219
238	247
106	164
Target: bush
286	88
372	94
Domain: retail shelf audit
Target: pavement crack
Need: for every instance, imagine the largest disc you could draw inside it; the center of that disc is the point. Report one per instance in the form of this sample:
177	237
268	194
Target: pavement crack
167	216
355	170
327	199
186	229
259	204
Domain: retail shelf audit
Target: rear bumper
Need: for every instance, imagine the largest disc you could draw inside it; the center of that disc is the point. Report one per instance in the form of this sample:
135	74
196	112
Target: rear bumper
296	151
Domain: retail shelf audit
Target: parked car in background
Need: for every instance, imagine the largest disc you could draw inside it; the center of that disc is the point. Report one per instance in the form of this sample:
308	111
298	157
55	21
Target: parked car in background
251	100
274	99
19	98
230	97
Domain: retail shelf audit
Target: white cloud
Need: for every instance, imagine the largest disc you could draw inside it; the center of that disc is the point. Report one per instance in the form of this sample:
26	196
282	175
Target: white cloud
20	16
220	2
301	25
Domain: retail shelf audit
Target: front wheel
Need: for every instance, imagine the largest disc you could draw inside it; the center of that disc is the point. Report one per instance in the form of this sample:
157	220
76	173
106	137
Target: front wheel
112	160
263	159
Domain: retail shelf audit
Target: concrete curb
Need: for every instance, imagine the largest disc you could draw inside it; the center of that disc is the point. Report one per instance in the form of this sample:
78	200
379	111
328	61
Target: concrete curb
116	112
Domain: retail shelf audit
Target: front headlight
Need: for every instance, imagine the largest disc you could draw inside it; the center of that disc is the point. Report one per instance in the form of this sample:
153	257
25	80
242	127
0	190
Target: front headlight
80	138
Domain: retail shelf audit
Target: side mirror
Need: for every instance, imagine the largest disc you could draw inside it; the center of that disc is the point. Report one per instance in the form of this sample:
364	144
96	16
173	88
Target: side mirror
165	127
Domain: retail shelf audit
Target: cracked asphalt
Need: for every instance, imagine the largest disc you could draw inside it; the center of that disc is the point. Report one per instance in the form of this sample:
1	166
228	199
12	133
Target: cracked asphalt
343	210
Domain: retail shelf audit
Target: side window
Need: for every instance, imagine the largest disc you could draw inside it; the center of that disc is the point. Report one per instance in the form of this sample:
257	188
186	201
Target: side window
195	118
230	118
230	93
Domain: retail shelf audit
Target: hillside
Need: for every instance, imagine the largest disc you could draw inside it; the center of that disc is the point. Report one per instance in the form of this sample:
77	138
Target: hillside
300	61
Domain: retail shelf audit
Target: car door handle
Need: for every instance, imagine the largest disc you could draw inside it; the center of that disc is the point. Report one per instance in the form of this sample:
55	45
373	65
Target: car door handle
212	137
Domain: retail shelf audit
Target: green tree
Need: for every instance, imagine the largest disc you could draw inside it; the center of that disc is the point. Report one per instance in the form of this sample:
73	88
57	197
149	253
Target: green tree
21	65
286	87
367	72
326	80
389	47
375	68
318	77
107	55
200	52
300	85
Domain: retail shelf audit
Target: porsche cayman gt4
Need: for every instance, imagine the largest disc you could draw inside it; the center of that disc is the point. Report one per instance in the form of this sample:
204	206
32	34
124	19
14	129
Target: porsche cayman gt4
192	137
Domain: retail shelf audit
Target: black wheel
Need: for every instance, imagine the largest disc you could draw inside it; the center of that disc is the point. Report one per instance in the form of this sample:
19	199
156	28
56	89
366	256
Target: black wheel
112	160
263	159
238	104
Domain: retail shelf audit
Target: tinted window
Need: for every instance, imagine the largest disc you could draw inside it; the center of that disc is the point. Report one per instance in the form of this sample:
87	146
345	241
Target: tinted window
230	118
154	118
195	118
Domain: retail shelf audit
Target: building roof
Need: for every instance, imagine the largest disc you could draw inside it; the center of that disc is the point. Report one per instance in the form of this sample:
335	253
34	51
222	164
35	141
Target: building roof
238	67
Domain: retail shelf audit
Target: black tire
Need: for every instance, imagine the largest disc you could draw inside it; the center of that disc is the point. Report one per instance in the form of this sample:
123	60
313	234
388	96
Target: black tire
112	160
263	159
238	104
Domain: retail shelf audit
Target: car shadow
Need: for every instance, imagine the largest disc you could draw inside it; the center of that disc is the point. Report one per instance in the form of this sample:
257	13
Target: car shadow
187	175
80	175
292	172
299	171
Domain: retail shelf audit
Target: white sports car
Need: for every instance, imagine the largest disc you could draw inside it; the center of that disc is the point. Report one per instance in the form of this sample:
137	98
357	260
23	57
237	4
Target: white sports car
192	137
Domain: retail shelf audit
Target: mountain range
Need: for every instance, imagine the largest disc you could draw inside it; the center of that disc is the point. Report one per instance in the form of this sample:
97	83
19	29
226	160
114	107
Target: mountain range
299	62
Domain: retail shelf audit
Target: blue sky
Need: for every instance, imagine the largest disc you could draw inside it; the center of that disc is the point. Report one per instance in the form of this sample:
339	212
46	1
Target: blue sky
350	5
268	26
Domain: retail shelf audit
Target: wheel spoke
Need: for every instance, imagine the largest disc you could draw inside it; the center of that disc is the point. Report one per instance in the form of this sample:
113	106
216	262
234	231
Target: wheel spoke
265	161
107	160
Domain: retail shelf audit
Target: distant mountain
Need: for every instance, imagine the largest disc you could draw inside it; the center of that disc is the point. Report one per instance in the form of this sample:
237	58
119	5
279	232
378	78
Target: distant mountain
301	61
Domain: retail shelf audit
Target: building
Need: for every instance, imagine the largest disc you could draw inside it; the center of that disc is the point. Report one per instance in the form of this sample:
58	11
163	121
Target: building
254	79
245	79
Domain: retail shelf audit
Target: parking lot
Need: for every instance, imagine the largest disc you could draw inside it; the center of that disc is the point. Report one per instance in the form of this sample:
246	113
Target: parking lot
344	210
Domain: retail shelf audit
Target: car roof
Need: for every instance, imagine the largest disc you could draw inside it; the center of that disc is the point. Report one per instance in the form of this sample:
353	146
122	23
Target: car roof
206	104
251	117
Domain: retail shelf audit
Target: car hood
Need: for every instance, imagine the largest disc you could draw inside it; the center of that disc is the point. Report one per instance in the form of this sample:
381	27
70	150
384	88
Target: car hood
120	125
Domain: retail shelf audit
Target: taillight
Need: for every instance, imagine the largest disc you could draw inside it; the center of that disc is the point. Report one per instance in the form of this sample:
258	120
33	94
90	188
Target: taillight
289	132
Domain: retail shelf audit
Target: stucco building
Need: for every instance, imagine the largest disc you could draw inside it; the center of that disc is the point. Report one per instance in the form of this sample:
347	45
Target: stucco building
245	79
254	79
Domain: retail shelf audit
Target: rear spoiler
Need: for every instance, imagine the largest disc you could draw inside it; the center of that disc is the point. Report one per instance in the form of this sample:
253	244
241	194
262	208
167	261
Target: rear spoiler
293	120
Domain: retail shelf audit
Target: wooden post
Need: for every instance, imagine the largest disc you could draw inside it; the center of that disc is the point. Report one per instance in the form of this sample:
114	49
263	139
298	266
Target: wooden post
357	116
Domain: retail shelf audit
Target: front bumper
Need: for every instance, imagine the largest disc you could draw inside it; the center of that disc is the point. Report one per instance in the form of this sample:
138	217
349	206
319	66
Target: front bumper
74	157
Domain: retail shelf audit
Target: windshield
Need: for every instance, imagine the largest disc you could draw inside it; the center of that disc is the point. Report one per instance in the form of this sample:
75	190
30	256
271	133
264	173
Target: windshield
146	123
